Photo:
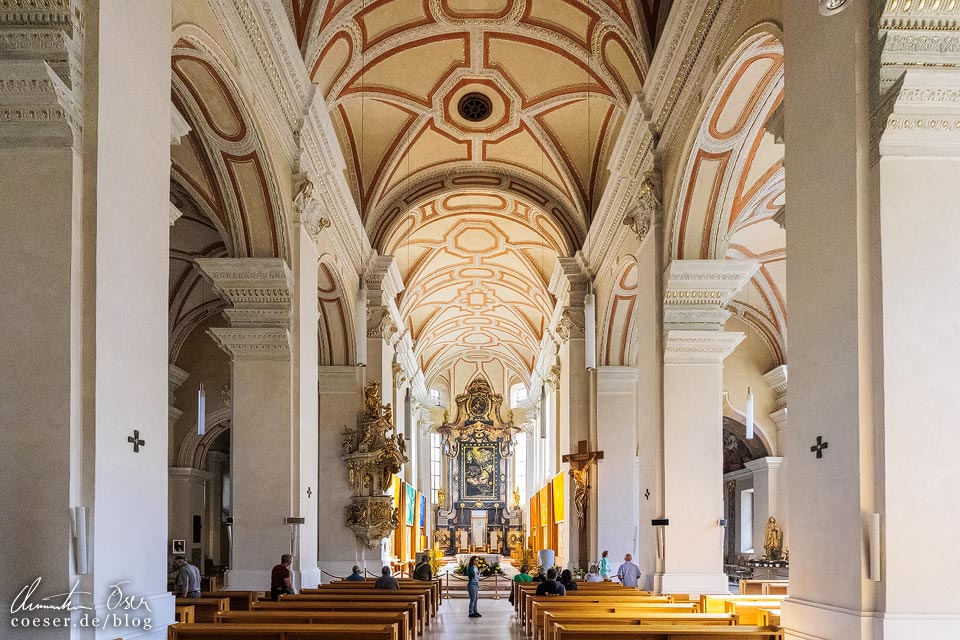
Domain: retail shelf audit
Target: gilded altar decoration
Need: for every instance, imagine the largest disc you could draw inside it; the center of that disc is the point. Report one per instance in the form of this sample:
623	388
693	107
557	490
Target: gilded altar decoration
373	453
478	420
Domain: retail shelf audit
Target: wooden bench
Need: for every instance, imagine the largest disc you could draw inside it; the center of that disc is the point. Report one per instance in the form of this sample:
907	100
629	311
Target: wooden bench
376	596
239	600
751	611
205	609
552	619
539	609
760	587
435	585
664	632
361	588
282	631
528	590
399	618
531	600
716	603
345	605
185	613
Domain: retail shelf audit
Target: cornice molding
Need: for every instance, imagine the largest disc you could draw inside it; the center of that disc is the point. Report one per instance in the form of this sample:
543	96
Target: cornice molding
764	464
253	343
776	379
697	292
699	347
924	118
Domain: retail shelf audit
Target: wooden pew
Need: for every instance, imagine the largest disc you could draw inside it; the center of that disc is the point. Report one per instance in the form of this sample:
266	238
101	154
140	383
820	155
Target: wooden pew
620	598
363	588
757	587
530	588
205	609
348	605
552	619
750	611
376	596
185	613
664	632
540	607
239	600
776	589
400	618
282	631
715	603
435	585
773	614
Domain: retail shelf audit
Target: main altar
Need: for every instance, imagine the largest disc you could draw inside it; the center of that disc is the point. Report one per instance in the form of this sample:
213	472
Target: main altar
478	443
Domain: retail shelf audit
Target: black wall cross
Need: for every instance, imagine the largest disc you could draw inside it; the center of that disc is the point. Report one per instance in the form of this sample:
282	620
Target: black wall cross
136	441
819	447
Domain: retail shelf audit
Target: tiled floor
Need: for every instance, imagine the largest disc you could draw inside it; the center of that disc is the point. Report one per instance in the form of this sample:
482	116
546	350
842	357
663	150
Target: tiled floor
452	623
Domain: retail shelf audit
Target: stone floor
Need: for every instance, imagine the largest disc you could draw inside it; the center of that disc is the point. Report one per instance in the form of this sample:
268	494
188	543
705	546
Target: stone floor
497	623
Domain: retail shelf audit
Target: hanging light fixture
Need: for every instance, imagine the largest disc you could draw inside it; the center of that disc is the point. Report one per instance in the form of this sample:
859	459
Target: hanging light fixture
201	411
590	330
749	414
360	324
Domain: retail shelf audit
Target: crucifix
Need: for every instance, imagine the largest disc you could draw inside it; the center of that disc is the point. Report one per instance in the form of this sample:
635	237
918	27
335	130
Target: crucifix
819	447
136	441
580	468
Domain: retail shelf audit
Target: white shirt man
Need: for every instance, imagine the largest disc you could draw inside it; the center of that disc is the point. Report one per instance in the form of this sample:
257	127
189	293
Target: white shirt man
628	572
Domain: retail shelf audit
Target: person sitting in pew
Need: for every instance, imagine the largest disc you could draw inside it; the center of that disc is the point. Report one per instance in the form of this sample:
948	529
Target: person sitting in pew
550	586
524	575
386	581
280	581
593	574
356	575
423	571
566	579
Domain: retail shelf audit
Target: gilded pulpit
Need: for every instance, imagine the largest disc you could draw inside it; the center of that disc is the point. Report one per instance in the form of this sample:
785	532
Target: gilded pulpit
478	444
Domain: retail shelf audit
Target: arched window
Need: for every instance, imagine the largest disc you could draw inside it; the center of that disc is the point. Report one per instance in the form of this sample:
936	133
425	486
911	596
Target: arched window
435	460
518	395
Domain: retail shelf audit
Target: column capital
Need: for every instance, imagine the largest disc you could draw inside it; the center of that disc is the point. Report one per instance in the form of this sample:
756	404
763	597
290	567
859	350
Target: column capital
776	379
258	289
699	347
253	343
570	277
617	379
696	292
921	114
383	275
764	464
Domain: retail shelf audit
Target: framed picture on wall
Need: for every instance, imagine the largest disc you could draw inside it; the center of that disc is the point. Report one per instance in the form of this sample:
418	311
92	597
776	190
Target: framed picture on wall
178	547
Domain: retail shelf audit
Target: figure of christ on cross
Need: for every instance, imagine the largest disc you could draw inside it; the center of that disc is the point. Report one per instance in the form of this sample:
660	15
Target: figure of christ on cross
580	470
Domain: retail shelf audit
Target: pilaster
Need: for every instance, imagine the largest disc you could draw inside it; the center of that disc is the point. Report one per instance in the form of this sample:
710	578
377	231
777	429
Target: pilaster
175	379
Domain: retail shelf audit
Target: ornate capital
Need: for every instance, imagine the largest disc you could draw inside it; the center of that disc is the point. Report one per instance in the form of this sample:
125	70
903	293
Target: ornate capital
776	379
258	289
175	379
699	347
922	115
253	343
697	291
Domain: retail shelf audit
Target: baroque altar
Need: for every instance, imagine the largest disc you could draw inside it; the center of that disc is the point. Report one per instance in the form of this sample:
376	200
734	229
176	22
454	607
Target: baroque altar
478	444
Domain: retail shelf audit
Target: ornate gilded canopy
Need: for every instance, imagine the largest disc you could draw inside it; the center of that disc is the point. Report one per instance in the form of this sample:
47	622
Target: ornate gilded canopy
478	420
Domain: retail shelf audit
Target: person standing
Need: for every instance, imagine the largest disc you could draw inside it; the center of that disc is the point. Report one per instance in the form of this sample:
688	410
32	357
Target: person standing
473	586
604	565
628	572
188	578
386	581
356	576
280	580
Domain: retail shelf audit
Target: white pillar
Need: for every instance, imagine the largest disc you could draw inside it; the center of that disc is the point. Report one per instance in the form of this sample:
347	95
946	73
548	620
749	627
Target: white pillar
766	496
263	436
187	498
618	494
694	349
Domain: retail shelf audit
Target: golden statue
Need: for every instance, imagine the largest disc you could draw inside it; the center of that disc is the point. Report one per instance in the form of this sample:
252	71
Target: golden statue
581	492
516	497
441	496
773	540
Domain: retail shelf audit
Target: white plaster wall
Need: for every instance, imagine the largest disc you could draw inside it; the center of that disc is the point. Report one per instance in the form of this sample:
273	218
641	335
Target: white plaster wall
132	195
36	361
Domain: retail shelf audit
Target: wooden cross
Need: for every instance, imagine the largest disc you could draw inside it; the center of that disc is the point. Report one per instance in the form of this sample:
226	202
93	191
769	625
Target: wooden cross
136	441
819	447
582	457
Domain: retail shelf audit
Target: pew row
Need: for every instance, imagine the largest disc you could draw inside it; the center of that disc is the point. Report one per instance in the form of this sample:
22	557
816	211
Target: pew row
561	604
205	609
224	631
416	621
272	617
664	632
553	618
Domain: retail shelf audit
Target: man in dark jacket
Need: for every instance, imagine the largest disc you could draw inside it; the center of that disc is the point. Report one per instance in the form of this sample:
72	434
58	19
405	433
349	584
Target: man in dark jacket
386	581
550	586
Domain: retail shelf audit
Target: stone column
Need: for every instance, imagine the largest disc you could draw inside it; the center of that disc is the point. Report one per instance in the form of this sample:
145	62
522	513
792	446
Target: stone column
341	401
766	496
569	285
695	346
383	283
262	447
618	493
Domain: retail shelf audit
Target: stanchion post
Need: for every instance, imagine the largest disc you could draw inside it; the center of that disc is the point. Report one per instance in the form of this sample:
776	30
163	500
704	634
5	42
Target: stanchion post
496	586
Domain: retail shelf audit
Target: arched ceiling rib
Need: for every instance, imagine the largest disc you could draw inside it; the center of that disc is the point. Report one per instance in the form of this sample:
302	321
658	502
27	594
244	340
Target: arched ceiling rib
476	266
733	185
559	74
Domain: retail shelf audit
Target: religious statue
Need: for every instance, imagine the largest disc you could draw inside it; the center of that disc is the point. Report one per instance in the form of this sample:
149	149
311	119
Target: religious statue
371	400
581	492
441	496
773	540
304	193
516	497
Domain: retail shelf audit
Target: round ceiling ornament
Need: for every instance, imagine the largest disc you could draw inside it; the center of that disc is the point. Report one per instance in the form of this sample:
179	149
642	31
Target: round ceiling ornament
474	107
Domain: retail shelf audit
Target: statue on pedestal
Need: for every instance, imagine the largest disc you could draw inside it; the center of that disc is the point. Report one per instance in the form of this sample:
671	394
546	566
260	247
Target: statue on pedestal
773	540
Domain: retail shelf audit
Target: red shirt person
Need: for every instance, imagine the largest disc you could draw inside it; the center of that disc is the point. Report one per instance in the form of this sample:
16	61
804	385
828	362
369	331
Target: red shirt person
280	580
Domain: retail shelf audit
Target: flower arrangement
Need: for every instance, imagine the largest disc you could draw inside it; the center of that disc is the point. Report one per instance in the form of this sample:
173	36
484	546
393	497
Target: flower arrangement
486	569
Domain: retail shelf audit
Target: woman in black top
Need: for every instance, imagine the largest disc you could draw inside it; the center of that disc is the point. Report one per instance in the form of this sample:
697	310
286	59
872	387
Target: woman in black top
566	579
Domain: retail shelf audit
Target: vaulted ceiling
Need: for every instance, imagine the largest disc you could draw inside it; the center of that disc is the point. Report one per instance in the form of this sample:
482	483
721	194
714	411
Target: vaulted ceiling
476	210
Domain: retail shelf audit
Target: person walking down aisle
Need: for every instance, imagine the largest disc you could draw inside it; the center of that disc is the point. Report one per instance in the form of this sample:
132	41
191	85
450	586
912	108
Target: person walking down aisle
628	572
473	586
604	565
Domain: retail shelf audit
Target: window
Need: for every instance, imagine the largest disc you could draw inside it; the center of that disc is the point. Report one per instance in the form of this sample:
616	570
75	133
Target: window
435	460
520	466
746	521
435	397
518	394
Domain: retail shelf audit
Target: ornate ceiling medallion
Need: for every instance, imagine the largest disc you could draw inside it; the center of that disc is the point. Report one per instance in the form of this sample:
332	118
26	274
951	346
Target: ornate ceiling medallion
475	107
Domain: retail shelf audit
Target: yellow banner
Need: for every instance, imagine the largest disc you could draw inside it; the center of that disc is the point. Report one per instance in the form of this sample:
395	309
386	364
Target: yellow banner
544	500
558	497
